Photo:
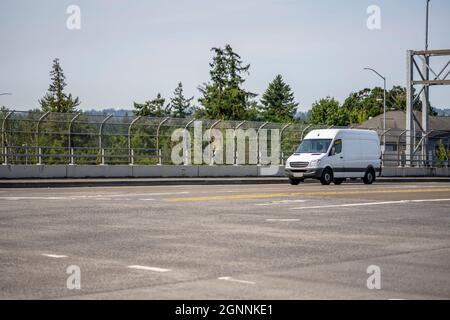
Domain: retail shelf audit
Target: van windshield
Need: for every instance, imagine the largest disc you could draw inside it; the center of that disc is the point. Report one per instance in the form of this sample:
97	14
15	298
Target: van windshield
314	146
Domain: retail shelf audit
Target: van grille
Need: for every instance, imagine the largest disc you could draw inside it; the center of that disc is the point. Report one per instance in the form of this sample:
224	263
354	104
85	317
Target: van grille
299	164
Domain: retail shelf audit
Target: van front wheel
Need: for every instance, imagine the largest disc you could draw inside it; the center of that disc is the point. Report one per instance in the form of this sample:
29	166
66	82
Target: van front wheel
327	176
369	177
295	182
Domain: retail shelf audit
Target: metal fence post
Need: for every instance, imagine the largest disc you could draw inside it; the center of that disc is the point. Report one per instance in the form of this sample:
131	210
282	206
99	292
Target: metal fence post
398	147
159	153
186	151
4	146
281	142
234	142
303	131
257	142
25	146
72	162
131	151
213	153
100	145
38	148
383	151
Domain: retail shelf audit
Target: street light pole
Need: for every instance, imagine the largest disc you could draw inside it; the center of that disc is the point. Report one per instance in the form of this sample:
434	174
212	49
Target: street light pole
426	93
384	105
426	25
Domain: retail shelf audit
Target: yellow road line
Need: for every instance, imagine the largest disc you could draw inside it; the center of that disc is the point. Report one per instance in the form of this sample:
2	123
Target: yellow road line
310	193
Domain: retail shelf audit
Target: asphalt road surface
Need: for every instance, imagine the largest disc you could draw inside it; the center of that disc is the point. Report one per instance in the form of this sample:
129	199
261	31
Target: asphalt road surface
226	242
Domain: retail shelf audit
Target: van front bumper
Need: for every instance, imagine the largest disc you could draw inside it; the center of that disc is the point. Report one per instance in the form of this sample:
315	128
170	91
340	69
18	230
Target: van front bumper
315	173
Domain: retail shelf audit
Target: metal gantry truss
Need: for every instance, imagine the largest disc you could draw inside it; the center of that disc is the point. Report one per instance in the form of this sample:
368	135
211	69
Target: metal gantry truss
419	75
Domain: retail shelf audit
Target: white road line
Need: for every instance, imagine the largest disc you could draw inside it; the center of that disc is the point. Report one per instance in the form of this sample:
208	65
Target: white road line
282	220
430	200
93	197
34	198
112	195
149	199
57	256
148	268
158	193
236	280
370	204
272	203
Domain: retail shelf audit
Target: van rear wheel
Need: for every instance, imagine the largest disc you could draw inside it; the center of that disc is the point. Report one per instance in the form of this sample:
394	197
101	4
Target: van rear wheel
327	176
369	177
295	182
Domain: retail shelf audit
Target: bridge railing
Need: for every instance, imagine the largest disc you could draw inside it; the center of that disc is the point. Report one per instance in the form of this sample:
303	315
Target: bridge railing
36	137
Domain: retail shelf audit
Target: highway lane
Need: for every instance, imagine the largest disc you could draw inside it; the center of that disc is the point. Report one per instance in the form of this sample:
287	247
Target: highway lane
231	241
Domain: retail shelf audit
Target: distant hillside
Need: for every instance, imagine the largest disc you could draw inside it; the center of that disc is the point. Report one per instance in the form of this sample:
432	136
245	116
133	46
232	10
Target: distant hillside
114	112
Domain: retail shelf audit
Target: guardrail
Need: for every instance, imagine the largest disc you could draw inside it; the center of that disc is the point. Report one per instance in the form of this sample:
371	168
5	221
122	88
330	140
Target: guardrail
61	138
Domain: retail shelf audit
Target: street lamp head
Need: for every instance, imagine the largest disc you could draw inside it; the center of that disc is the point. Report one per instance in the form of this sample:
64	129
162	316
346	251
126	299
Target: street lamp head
375	71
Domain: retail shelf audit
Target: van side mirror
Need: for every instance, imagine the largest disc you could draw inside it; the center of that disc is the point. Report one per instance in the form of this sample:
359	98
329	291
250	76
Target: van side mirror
333	151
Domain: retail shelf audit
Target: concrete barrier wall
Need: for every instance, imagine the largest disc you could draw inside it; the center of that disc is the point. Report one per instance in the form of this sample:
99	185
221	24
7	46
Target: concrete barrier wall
415	172
126	171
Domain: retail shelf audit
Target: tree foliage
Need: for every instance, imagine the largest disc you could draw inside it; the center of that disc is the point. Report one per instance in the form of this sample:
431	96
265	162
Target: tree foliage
361	106
277	103
152	108
56	100
180	106
327	111
223	96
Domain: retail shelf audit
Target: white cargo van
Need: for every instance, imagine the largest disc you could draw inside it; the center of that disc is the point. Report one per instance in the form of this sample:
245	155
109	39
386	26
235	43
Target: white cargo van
333	155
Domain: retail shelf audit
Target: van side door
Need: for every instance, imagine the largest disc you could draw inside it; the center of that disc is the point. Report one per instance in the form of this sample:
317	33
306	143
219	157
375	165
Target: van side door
353	158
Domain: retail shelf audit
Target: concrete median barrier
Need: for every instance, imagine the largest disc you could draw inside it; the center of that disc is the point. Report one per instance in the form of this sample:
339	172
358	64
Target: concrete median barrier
169	171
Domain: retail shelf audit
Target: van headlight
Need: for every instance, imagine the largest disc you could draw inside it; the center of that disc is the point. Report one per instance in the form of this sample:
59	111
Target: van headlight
314	163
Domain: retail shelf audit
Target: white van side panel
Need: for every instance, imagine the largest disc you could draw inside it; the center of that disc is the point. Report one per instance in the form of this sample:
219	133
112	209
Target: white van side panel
353	158
360	150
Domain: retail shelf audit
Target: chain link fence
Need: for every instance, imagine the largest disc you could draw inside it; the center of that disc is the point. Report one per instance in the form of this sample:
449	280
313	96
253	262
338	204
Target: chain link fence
34	137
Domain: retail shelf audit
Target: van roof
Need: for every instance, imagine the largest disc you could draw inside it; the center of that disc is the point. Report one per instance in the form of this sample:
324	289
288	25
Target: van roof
331	133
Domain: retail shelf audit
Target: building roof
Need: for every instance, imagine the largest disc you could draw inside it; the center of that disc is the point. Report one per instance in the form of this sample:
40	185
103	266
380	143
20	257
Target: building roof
397	120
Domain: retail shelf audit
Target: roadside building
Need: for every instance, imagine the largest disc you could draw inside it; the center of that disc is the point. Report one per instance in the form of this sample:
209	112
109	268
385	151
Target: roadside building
438	135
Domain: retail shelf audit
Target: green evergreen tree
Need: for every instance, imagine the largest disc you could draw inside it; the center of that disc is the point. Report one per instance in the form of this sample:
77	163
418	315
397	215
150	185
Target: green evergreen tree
223	97
152	108
181	107
56	100
277	103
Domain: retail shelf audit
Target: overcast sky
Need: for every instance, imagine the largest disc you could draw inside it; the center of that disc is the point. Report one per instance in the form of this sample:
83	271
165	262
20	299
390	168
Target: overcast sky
130	50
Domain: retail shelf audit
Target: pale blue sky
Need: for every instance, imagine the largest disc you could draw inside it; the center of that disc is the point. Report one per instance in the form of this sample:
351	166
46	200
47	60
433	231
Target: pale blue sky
130	50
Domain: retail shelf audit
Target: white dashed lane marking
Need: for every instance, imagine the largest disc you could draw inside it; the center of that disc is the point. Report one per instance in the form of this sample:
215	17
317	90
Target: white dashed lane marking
236	280
370	204
273	203
57	256
146	268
